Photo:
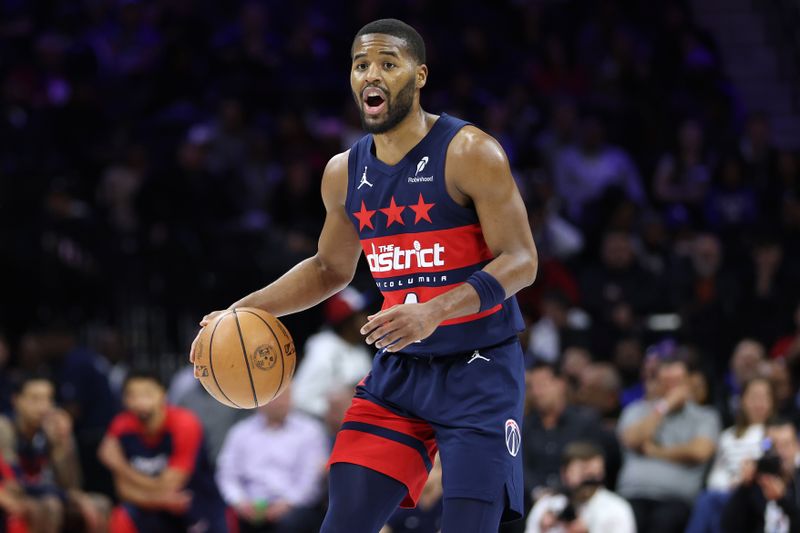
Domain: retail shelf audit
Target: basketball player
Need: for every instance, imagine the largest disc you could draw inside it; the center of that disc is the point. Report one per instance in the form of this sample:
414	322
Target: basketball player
157	456
432	203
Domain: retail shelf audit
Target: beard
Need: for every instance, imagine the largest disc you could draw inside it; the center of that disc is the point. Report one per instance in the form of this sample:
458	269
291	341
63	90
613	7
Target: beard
396	110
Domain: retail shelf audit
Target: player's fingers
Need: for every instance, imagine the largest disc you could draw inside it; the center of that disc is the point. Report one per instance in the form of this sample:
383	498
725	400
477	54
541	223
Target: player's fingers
381	331
376	321
389	339
399	344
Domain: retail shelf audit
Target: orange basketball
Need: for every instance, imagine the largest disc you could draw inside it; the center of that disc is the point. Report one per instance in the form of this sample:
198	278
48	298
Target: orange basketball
245	358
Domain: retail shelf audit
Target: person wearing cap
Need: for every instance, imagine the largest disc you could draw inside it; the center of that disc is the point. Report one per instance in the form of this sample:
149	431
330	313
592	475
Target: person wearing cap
336	357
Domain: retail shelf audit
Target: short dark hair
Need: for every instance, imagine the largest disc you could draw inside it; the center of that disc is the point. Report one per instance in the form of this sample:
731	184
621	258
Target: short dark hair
399	29
780	421
20	381
143	373
541	364
580	451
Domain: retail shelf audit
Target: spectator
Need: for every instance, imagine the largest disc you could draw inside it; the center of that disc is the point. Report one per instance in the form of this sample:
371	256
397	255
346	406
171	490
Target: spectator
683	178
788	345
585	505
550	426
667	443
747	363
585	173
599	389
554	331
737	445
335	357
38	442
767	499
616	291
5	378
157	456
16	509
426	517
270	469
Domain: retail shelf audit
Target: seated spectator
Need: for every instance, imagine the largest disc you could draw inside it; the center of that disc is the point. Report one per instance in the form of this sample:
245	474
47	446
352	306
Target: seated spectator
16	509
599	389
737	445
551	425
788	346
39	444
334	357
270	469
584	173
157	456
426	517
747	363
585	505
217	418
767	499
667	443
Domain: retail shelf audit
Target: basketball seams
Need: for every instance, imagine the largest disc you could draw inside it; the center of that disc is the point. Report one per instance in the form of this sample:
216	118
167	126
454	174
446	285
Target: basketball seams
280	347
211	359
246	362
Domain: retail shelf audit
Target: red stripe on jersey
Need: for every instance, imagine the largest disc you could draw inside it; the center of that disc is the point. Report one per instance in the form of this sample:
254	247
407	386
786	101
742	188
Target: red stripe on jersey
361	410
428	251
392	298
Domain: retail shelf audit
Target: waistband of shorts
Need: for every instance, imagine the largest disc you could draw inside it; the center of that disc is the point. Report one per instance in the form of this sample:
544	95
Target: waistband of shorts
457	355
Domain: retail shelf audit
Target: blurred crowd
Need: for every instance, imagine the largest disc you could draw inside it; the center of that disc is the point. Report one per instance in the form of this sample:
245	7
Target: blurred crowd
161	158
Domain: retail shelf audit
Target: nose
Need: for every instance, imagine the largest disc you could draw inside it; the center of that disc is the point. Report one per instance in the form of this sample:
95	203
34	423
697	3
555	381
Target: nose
373	73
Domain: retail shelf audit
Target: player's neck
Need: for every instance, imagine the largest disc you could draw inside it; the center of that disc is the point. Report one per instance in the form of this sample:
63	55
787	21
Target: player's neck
392	146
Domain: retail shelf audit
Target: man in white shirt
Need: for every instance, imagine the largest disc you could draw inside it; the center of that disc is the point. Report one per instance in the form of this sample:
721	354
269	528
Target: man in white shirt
271	467
334	358
586	506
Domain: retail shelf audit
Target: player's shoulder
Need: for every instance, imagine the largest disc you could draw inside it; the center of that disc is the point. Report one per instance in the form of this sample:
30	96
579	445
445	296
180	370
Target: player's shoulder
182	419
472	146
338	163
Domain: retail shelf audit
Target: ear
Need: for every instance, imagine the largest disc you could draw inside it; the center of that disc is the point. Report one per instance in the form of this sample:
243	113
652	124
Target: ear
422	76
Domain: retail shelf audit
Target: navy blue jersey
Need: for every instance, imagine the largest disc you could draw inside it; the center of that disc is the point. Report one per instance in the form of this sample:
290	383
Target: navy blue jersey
419	242
179	444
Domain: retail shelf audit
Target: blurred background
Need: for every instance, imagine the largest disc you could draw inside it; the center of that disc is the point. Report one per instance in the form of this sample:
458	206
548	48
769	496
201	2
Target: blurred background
161	158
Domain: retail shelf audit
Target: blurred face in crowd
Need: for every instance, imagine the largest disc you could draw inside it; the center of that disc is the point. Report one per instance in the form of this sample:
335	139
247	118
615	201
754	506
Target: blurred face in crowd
593	134
781	381
691	135
706	255
146	399
784	441
546	390
757	401
599	388
672	376
617	251
747	360
34	402
579	470
278	409
384	79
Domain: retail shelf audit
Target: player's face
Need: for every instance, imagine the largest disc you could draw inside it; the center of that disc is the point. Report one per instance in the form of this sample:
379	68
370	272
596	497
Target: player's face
384	79
144	398
34	401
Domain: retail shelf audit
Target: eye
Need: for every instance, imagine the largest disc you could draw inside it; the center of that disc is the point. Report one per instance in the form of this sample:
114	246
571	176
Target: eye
361	66
388	66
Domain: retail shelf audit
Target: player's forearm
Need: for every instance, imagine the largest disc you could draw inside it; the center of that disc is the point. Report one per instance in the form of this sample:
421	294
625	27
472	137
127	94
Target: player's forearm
130	493
304	286
514	271
66	466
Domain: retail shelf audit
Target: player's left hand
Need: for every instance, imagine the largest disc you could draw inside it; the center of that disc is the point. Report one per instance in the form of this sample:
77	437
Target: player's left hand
397	327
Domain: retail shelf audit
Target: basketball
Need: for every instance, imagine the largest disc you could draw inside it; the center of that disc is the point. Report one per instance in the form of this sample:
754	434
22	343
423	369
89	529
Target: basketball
245	358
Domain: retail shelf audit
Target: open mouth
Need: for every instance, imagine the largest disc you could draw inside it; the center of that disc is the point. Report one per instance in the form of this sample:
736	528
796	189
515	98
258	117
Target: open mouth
374	101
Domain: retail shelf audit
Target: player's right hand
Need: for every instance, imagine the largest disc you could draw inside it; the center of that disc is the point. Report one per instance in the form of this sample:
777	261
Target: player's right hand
203	323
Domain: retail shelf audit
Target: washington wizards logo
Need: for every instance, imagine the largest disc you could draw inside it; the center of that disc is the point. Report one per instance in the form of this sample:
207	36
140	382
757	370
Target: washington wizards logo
263	357
513	437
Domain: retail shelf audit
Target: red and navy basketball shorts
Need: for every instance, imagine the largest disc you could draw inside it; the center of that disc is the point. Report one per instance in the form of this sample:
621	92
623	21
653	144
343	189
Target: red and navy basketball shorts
467	406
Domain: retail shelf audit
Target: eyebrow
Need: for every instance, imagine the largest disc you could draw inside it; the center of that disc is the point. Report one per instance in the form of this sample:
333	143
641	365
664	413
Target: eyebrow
382	52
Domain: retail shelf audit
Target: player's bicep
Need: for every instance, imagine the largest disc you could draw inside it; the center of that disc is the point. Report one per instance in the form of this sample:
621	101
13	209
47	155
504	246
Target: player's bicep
338	248
481	171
